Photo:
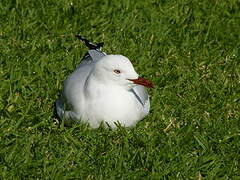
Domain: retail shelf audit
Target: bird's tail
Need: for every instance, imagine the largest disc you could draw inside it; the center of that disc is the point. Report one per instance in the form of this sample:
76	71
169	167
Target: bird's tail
89	44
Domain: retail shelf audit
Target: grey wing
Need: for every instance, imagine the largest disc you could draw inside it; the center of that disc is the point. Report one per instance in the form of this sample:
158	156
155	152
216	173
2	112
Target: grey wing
96	55
142	96
73	82
92	56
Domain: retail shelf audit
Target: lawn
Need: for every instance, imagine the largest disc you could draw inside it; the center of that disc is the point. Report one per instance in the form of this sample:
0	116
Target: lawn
189	49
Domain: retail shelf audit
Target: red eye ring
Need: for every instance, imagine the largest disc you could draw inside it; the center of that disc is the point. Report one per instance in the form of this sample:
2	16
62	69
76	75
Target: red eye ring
117	71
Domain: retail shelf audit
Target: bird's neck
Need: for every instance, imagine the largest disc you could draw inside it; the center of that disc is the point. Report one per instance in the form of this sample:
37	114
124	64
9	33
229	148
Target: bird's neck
95	88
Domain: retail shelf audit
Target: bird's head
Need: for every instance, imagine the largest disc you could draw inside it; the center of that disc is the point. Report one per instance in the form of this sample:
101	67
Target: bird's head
118	70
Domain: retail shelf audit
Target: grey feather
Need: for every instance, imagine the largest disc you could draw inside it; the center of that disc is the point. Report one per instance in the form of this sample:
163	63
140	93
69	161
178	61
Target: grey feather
141	94
96	55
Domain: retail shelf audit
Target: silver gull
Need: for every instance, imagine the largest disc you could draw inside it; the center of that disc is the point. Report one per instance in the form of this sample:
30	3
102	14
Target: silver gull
104	89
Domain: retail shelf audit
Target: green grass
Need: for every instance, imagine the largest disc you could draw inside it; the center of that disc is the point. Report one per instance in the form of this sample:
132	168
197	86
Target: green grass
189	49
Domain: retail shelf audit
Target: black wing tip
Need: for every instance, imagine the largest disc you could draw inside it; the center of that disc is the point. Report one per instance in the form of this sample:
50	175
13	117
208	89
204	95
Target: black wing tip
100	45
89	44
80	37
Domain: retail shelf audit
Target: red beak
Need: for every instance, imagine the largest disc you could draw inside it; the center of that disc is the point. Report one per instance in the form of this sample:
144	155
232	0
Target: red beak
143	82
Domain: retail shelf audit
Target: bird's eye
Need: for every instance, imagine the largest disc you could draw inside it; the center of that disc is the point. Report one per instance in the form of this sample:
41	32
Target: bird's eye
117	71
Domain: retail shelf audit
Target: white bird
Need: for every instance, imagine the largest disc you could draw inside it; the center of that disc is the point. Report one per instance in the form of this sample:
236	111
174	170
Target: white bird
104	88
